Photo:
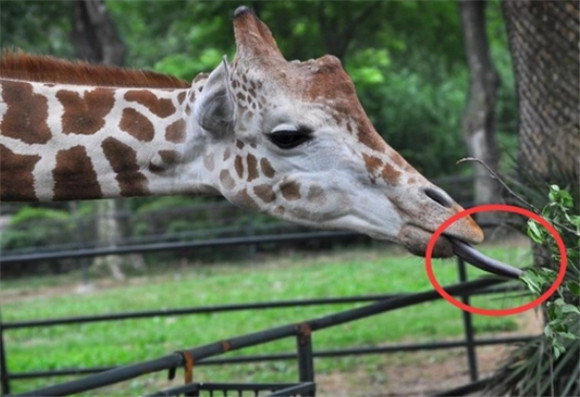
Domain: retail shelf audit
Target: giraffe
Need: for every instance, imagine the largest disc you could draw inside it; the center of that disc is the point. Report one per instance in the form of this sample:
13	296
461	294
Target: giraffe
287	138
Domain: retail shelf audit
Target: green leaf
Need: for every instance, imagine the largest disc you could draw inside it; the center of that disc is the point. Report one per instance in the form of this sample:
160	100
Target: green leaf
558	349
551	311
568	335
548	331
561	197
568	308
575	220
535	232
574	287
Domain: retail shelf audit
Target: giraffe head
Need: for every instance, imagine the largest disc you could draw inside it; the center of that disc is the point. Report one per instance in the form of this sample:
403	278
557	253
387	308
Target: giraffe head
292	139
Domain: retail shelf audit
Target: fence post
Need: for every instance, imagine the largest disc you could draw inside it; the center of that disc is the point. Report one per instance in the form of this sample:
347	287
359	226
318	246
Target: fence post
468	326
4	379
305	356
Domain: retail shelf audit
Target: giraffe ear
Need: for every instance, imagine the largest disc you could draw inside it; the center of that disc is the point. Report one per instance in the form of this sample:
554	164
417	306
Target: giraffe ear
214	108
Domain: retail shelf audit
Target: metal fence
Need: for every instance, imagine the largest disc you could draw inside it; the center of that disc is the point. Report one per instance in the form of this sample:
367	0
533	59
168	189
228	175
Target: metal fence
303	333
205	355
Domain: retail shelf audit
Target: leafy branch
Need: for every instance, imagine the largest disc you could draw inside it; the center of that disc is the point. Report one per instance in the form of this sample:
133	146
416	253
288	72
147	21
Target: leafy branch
563	314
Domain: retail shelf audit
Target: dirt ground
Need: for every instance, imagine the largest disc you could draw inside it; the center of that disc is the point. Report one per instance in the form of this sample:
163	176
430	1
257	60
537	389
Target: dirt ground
423	373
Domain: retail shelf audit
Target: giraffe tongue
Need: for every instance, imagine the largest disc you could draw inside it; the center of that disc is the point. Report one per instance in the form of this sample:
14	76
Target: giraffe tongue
477	259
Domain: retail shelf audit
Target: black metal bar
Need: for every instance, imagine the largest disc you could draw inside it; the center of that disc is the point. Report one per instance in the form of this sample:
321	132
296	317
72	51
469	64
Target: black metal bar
175	246
218	308
285	389
196	310
305	356
307	388
4	374
175	360
468	326
292	356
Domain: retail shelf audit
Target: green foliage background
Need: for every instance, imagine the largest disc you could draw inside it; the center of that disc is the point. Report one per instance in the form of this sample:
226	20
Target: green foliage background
405	57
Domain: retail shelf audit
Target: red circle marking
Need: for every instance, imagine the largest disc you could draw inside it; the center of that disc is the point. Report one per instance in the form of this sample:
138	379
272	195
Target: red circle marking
495	312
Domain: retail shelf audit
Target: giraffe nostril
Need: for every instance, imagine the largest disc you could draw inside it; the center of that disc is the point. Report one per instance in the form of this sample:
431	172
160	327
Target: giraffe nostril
439	197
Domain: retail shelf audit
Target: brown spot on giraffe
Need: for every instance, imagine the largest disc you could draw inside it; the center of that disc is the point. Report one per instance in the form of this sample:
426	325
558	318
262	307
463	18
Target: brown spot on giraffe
156	168
175	132
169	156
208	162
267	168
16	179
316	195
161	107
123	159
227	154
290	190
399	160
265	193
227	180
372	163
239	166
137	125
279	211
244	199
181	97
74	175
27	113
390	174
252	167
86	114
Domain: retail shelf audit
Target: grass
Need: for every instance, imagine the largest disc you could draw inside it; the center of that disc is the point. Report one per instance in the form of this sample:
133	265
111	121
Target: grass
341	273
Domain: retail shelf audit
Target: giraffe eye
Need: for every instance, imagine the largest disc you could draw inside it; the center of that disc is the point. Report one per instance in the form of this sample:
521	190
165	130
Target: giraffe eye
287	137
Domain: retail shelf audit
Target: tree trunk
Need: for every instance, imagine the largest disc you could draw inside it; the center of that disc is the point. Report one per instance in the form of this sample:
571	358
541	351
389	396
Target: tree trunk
94	34
544	39
336	36
478	120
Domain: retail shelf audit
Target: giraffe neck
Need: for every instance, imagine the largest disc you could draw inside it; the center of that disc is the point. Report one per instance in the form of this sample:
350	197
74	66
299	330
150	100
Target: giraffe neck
66	142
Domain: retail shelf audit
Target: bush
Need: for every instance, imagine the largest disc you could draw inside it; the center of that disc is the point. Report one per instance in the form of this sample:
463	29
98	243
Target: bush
37	227
34	227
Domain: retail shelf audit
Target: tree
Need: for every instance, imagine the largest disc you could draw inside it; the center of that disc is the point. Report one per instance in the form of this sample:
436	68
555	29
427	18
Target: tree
94	34
544	39
478	120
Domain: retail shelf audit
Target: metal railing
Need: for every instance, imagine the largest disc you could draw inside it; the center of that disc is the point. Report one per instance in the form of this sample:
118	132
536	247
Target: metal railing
301	331
206	355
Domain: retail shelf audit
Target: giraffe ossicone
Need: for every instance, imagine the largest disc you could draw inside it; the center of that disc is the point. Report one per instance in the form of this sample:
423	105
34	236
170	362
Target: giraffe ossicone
287	138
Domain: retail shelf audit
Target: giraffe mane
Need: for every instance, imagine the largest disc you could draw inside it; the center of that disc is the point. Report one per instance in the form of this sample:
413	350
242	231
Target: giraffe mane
45	69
